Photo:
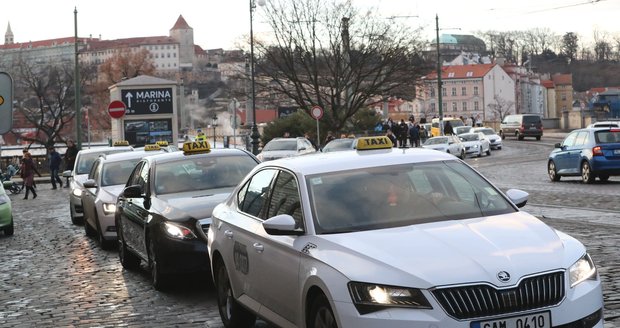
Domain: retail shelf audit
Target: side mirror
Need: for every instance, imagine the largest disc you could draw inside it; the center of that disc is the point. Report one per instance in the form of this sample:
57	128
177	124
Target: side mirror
558	145
281	225
66	174
90	183
518	197
302	149
134	191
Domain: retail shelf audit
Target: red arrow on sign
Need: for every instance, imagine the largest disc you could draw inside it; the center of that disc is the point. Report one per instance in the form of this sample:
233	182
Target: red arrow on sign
116	109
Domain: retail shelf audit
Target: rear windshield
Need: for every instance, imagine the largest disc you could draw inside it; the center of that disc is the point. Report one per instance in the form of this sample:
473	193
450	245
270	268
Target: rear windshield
531	119
607	136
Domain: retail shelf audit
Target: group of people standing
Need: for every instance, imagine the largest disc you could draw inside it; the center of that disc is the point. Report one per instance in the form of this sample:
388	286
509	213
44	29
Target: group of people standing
404	134
28	168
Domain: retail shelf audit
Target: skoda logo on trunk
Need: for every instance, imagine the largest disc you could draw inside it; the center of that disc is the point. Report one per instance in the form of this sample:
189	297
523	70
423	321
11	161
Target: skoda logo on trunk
503	276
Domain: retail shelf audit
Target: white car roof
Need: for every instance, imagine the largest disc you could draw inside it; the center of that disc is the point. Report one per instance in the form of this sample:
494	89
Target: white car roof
355	159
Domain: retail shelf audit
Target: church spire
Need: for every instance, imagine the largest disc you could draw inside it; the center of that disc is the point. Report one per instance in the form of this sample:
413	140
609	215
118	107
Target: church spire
8	36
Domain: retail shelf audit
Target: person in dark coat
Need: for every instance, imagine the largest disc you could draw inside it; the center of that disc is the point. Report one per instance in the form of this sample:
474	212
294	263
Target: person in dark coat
447	129
54	161
28	169
70	155
414	135
403	131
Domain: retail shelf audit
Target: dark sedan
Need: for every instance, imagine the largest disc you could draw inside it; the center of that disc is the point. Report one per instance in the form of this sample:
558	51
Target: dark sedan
589	153
164	211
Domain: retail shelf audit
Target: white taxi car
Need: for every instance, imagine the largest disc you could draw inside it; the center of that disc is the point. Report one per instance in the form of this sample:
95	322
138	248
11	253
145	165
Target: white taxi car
392	238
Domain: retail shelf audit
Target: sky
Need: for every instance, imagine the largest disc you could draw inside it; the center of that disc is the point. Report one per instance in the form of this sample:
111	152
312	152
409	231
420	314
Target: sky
225	24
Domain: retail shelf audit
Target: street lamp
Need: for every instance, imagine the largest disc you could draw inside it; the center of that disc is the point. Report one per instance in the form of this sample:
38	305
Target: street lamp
439	88
214	125
254	135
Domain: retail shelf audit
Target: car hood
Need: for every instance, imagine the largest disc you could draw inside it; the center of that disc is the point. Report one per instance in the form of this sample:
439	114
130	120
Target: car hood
179	206
450	252
437	146
470	143
110	193
80	178
274	154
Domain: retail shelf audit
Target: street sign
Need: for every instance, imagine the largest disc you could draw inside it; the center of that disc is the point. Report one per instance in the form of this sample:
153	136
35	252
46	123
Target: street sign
116	109
316	112
148	101
6	103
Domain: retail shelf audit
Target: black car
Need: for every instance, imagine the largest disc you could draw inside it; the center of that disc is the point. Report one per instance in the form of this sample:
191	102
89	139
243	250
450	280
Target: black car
164	212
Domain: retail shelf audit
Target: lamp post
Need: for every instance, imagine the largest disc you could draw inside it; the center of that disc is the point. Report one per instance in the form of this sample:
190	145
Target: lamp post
214	125
76	77
439	87
255	136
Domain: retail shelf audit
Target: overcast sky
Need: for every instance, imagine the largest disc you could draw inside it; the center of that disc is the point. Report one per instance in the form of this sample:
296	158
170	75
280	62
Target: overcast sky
224	24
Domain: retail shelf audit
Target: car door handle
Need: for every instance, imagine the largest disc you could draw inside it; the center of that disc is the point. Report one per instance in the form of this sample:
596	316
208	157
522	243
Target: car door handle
259	247
228	234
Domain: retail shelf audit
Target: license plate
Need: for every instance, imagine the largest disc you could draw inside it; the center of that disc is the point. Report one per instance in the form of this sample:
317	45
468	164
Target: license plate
536	320
532	128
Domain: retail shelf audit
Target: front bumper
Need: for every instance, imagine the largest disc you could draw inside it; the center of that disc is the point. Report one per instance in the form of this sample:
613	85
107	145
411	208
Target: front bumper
75	203
182	256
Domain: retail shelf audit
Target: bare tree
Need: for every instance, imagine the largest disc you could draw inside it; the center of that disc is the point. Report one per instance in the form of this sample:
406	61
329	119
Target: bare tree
328	54
501	107
126	64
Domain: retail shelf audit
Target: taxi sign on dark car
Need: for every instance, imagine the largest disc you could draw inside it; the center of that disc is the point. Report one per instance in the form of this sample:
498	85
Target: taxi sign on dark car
121	143
162	143
151	147
192	147
378	142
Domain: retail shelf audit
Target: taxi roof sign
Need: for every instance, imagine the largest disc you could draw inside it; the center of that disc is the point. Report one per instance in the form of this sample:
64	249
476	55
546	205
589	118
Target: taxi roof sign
378	142
121	143
151	147
193	147
162	143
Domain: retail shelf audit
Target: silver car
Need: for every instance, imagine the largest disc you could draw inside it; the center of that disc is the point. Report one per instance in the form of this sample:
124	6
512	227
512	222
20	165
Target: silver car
494	139
475	144
285	147
450	144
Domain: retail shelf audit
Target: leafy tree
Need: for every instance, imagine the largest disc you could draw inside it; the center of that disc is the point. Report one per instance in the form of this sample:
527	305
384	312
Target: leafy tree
326	53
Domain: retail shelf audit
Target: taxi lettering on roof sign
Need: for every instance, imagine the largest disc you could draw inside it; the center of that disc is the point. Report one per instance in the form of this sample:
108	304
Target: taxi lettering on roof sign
191	147
121	143
379	142
151	147
162	143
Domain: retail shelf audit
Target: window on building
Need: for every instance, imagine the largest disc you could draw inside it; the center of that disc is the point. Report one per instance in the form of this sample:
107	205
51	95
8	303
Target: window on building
464	91
432	92
174	55
451	74
469	74
476	106
168	55
156	55
432	107
444	106
464	107
454	107
443	92
475	91
563	96
454	91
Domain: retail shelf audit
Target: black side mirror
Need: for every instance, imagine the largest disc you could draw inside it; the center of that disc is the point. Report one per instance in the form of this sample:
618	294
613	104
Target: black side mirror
134	191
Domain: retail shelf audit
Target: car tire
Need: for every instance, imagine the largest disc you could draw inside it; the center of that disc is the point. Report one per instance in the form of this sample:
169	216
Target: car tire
321	314
489	151
103	243
552	171
462	154
480	152
158	278
586	173
603	177
520	137
538	138
10	229
128	260
231	312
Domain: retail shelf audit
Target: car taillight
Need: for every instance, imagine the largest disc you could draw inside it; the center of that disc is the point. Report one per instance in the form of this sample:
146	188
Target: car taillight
597	151
522	127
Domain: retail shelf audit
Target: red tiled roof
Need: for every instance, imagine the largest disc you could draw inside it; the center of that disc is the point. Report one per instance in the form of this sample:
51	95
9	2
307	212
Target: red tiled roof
43	43
562	79
199	51
181	24
462	71
547	84
95	44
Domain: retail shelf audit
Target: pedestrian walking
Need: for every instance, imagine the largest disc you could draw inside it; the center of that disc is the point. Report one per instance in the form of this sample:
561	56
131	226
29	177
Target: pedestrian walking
414	135
54	162
447	130
70	155
28	170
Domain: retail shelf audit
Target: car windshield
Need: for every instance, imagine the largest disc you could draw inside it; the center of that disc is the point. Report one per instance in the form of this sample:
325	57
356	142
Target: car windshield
192	173
436	141
469	137
85	161
338	144
116	173
487	132
281	145
401	195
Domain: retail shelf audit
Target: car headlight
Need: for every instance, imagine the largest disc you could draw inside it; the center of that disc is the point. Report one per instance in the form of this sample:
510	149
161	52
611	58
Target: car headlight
369	298
109	208
178	231
77	192
583	269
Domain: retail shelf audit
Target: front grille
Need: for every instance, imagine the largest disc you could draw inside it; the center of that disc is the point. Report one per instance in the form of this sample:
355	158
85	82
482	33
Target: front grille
476	301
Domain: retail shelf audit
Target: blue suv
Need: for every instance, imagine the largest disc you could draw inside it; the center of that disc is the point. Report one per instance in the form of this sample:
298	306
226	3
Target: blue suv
589	153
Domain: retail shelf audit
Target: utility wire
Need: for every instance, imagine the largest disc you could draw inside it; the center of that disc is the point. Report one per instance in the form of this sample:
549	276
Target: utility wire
565	6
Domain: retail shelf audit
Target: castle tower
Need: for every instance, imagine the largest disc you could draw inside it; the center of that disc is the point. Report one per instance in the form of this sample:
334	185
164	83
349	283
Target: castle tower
184	35
8	36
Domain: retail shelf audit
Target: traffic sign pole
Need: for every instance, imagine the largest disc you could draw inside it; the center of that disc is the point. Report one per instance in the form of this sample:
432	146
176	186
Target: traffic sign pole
317	113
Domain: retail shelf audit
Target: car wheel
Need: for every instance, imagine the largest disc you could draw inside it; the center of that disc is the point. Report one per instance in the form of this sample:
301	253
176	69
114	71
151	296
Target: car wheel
321	314
586	173
519	137
462	154
158	278
128	260
15	188
603	177
9	230
553	173
480	152
231	312
489	151
88	230
103	243
538	138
